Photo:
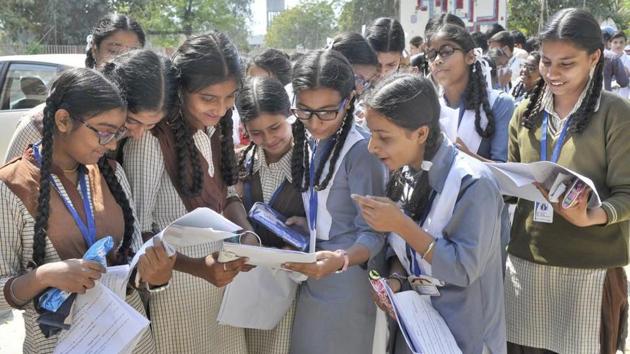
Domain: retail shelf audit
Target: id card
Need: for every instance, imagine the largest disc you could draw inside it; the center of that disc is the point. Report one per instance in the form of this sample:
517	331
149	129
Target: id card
543	212
424	285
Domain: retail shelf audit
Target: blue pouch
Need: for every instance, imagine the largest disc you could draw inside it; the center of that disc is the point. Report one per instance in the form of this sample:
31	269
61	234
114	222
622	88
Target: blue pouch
273	221
52	299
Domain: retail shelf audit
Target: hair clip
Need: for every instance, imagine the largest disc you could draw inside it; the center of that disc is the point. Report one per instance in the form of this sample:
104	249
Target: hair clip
426	165
88	41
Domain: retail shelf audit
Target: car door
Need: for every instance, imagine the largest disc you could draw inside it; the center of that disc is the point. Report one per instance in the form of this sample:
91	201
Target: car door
24	85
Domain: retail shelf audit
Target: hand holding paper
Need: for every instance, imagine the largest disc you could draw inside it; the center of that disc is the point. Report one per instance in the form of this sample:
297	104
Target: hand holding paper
155	266
327	262
578	212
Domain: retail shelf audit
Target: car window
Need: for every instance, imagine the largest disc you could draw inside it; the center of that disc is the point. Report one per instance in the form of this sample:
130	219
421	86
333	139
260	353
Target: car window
26	85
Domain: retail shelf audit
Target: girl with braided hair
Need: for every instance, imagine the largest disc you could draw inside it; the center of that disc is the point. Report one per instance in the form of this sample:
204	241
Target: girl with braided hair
334	157
44	235
188	161
114	34
566	290
529	77
387	38
439	233
148	82
472	116
265	176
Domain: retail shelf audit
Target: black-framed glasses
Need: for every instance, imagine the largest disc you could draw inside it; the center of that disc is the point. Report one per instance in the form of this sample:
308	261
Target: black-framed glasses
105	138
445	51
321	114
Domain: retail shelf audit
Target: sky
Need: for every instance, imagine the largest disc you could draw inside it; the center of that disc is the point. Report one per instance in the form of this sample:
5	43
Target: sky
259	15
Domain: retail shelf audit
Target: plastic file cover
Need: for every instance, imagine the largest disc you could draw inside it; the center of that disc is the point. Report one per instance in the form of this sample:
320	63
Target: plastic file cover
275	222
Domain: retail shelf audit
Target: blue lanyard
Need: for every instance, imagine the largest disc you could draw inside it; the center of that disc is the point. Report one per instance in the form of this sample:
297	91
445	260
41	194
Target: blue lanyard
312	199
543	139
89	231
414	265
462	110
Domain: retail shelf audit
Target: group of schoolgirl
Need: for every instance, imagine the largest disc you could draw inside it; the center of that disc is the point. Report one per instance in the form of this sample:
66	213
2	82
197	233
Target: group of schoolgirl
369	162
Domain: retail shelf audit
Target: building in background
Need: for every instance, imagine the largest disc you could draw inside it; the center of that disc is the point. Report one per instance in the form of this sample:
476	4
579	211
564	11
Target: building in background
274	8
477	14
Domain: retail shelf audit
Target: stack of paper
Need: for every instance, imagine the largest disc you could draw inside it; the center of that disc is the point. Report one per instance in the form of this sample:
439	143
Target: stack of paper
516	179
422	326
267	257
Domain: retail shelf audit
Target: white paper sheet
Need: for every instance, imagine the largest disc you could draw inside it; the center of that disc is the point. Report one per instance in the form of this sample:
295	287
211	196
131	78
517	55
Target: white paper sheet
116	279
422	326
102	323
257	299
515	179
268	257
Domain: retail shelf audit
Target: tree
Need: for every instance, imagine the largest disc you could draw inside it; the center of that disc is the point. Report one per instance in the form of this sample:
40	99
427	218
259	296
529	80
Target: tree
526	16
356	13
50	21
169	20
307	24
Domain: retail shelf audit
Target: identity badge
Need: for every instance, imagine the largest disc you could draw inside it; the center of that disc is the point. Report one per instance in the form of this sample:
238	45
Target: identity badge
425	285
543	212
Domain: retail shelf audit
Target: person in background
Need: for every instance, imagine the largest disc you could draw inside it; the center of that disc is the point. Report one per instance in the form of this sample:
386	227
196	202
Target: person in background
532	44
504	41
416	45
387	38
529	77
614	70
617	44
480	41
113	35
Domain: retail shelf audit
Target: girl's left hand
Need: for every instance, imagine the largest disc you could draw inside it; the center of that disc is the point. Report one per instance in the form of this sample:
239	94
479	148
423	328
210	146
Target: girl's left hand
578	214
459	143
327	262
381	213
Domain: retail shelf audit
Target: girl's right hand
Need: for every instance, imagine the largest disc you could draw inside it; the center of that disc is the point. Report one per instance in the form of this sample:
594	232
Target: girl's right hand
72	275
382	301
221	274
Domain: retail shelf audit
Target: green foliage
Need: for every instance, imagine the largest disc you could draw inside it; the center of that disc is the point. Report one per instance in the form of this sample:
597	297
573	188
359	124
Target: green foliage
306	25
356	13
525	15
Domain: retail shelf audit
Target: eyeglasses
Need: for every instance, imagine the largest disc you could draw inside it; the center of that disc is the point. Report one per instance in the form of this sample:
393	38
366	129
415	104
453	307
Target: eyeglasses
322	114
530	68
105	138
359	80
445	51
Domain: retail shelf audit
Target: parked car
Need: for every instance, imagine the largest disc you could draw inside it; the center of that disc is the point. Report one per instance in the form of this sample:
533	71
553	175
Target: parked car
24	84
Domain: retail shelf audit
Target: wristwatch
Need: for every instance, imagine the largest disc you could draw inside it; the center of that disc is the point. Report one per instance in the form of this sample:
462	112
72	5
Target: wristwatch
346	260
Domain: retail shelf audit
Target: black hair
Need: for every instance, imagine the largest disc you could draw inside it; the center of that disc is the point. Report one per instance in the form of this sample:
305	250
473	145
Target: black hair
532	44
258	96
475	96
480	40
201	61
518	37
321	69
504	38
619	34
385	35
494	29
416	41
148	79
581	29
438	21
519	89
107	26
398	98
355	48
276	63
84	93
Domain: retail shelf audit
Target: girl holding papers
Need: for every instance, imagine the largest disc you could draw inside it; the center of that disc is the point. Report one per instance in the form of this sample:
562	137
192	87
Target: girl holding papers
441	235
57	187
187	162
565	286
265	167
473	117
334	313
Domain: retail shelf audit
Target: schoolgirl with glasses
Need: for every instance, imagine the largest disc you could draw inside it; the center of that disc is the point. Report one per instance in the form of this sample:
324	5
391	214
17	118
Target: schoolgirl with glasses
61	196
330	162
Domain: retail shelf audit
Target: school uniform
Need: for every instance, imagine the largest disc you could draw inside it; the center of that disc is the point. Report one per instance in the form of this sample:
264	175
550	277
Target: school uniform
335	314
28	131
19	185
565	288
270	183
467	252
184	316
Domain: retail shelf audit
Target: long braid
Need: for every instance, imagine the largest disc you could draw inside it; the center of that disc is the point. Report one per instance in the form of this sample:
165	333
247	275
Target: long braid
583	115
186	157
336	151
43	200
534	105
243	171
121	198
229	167
299	158
476	97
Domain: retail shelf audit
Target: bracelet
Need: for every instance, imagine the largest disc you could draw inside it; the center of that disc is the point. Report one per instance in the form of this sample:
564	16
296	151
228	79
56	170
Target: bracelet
10	297
157	289
346	260
429	249
399	277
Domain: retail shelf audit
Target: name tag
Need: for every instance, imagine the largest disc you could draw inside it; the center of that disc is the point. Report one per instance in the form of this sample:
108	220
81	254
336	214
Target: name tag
425	285
543	212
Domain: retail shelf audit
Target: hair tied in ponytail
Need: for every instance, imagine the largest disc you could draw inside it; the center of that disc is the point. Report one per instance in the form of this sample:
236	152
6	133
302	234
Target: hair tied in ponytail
88	42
